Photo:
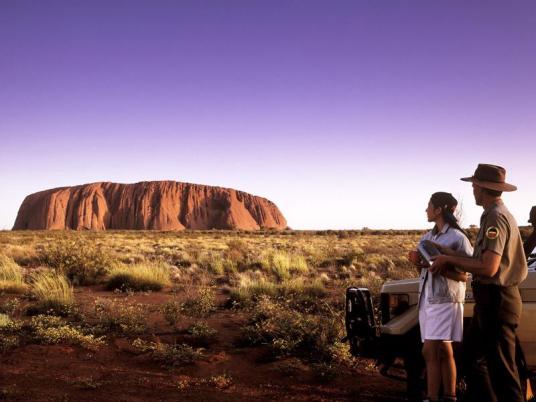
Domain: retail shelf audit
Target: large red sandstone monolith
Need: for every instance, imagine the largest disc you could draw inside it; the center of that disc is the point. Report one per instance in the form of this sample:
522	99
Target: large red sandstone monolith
158	205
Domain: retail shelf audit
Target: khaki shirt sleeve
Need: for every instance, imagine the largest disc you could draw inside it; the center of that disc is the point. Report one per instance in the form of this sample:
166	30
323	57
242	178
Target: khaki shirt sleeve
496	233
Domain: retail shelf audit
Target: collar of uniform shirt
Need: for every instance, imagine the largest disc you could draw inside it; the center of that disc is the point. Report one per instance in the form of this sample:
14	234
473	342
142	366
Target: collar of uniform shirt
496	203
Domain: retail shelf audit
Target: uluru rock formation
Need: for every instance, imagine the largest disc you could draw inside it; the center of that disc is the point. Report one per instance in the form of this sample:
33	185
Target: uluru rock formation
155	205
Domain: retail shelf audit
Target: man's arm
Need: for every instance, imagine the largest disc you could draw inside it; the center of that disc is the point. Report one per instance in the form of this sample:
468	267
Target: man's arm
454	274
487	266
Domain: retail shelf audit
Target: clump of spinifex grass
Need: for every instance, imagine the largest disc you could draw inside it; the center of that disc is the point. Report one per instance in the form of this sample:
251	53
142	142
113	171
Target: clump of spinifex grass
53	292
11	276
139	277
283	264
298	292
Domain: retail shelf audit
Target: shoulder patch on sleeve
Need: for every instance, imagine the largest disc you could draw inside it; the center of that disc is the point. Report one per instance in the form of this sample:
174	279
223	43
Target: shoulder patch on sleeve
492	232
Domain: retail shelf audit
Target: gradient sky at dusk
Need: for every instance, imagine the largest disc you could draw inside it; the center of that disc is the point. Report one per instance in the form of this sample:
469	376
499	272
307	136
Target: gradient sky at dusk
344	113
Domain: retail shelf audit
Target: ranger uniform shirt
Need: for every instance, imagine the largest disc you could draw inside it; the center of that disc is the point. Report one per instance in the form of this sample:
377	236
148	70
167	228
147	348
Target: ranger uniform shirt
499	233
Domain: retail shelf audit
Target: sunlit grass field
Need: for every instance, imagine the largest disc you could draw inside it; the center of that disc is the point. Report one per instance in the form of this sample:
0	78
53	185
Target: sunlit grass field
170	295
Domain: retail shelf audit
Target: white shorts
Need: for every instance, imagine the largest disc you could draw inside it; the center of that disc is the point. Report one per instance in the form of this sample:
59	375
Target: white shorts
443	321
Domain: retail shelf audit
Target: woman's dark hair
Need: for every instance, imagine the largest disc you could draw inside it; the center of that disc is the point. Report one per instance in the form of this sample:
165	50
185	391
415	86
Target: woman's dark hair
448	205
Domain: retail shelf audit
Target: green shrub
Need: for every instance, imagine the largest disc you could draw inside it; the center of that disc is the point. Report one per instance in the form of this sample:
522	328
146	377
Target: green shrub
222	381
200	306
52	330
237	251
139	277
11	276
113	316
291	333
9	333
216	266
171	311
201	333
10	307
353	256
53	292
169	355
83	262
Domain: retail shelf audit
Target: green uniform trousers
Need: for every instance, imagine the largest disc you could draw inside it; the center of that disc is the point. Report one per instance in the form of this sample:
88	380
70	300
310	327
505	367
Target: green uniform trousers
491	344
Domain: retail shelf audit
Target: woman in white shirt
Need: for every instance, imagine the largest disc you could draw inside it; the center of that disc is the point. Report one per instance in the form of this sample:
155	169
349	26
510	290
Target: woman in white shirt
441	299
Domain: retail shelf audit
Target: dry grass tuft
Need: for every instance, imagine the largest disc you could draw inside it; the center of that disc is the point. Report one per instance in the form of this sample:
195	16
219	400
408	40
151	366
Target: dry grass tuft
139	277
11	276
53	292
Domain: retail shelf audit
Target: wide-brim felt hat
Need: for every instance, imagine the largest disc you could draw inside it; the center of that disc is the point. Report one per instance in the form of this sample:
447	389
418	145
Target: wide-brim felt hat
492	177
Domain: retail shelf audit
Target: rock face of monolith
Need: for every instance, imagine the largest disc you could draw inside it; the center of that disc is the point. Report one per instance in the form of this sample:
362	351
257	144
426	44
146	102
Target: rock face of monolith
155	205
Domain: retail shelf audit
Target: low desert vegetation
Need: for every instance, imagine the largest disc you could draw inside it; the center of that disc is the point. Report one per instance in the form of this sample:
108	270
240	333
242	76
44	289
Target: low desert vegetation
53	292
11	276
44	329
176	298
9	333
82	261
51	330
149	275
115	316
200	305
201	333
290	332
171	355
250	290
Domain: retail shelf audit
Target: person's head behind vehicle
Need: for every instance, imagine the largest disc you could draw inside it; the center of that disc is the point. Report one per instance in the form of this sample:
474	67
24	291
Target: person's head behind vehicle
532	217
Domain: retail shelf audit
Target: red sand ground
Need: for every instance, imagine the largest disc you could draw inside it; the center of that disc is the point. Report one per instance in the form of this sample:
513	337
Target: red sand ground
115	373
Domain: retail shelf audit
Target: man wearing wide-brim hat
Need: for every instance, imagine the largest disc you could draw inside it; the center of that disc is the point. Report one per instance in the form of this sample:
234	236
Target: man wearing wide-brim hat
498	266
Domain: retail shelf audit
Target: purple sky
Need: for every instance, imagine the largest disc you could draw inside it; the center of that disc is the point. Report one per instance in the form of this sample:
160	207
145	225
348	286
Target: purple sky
344	113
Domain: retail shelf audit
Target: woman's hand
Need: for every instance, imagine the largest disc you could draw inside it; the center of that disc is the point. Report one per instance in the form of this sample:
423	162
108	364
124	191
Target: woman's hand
416	259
